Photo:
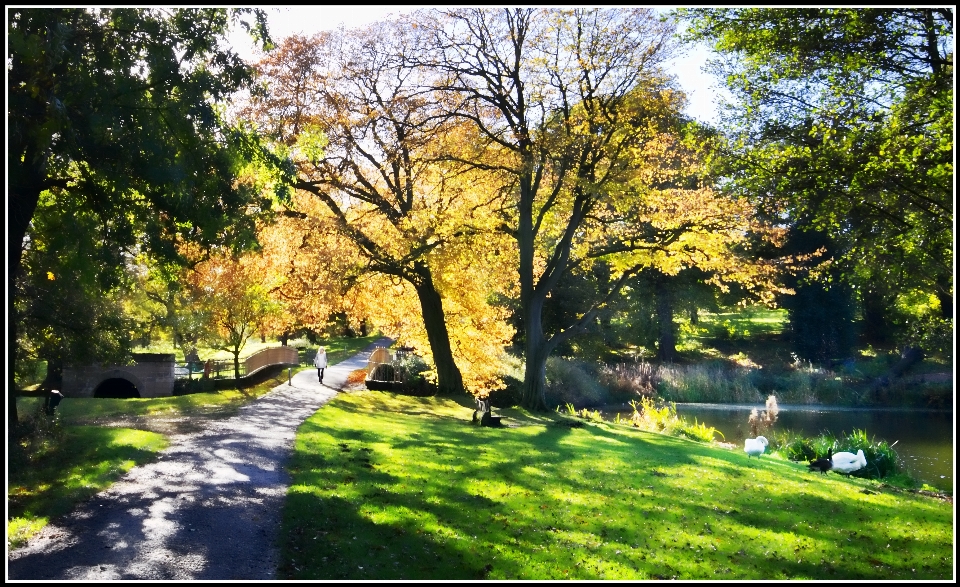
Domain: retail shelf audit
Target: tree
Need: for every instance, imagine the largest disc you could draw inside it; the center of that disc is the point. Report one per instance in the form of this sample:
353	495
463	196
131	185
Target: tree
69	299
373	148
119	110
232	294
843	123
581	125
558	96
310	267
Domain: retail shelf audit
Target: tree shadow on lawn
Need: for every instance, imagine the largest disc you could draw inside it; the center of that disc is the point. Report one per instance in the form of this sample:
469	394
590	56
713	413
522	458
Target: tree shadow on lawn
704	515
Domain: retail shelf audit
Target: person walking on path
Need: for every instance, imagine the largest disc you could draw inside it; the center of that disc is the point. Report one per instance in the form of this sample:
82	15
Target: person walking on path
208	509
320	362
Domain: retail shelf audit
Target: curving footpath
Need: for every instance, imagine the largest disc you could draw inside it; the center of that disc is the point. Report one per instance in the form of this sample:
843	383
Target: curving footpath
208	509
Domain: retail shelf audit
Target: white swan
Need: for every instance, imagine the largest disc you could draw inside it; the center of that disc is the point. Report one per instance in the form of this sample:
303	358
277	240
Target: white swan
847	462
755	446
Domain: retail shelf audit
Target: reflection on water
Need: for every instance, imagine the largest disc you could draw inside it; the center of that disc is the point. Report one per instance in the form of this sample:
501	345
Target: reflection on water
924	438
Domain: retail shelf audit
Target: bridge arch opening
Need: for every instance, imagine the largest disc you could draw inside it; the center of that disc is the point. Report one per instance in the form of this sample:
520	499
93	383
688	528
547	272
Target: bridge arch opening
116	388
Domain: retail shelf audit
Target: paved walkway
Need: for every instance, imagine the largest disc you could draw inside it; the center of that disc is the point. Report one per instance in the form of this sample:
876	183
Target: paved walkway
208	509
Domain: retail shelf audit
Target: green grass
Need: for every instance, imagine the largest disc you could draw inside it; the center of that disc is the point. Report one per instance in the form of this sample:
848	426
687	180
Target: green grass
85	461
78	411
389	487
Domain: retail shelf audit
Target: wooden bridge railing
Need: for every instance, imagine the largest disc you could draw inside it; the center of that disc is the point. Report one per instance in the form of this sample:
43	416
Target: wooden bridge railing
223	368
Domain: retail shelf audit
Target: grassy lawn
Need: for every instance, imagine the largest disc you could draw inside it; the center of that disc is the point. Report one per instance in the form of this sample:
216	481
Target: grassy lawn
389	487
83	461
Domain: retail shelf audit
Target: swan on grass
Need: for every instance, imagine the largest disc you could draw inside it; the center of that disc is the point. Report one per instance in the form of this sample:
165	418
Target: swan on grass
847	462
754	447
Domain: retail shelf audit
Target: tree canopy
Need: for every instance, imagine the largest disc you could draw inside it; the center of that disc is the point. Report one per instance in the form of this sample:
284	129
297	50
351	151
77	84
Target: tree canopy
843	123
119	112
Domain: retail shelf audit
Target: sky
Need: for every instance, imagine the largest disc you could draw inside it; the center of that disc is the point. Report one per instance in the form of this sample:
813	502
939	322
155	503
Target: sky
700	87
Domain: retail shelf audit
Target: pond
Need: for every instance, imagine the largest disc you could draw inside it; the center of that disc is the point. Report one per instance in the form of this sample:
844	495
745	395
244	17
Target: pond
924	438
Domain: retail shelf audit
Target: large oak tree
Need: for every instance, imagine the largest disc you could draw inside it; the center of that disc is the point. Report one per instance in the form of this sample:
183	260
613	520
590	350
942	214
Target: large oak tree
374	147
560	97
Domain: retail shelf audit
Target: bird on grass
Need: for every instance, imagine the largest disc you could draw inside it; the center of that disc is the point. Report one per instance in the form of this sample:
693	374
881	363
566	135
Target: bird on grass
847	462
822	465
754	447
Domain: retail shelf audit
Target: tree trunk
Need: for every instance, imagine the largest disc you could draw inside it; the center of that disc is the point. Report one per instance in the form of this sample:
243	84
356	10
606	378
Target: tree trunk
449	379
876	327
236	365
536	352
944	295
667	339
24	187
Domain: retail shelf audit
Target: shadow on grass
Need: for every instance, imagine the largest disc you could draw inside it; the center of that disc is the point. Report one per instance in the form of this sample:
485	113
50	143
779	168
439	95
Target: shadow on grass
385	494
90	458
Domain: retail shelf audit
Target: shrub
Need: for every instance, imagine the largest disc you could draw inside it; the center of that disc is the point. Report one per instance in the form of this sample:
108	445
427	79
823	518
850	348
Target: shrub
38	433
189	386
654	415
410	368
882	460
696	431
383	372
575	382
508	396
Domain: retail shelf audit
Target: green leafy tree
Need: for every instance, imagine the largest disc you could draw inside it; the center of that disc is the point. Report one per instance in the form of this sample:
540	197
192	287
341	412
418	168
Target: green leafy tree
843	123
120	110
69	300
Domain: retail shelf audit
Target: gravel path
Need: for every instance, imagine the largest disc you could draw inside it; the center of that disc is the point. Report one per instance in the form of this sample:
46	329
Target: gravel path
208	509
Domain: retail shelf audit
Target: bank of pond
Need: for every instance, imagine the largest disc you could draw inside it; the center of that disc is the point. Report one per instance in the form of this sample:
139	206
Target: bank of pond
921	440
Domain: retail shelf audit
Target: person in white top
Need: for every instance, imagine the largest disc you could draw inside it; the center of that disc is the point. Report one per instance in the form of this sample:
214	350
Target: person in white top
320	362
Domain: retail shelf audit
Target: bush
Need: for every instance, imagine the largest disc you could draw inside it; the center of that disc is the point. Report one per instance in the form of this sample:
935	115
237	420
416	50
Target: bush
189	386
510	395
696	431
882	460
37	434
574	382
383	372
654	415
410	369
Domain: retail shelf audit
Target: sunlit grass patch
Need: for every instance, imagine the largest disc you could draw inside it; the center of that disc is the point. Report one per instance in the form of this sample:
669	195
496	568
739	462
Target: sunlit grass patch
87	460
390	487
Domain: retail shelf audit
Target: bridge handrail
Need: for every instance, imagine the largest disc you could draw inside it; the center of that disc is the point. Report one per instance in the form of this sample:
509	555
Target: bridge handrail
282	355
